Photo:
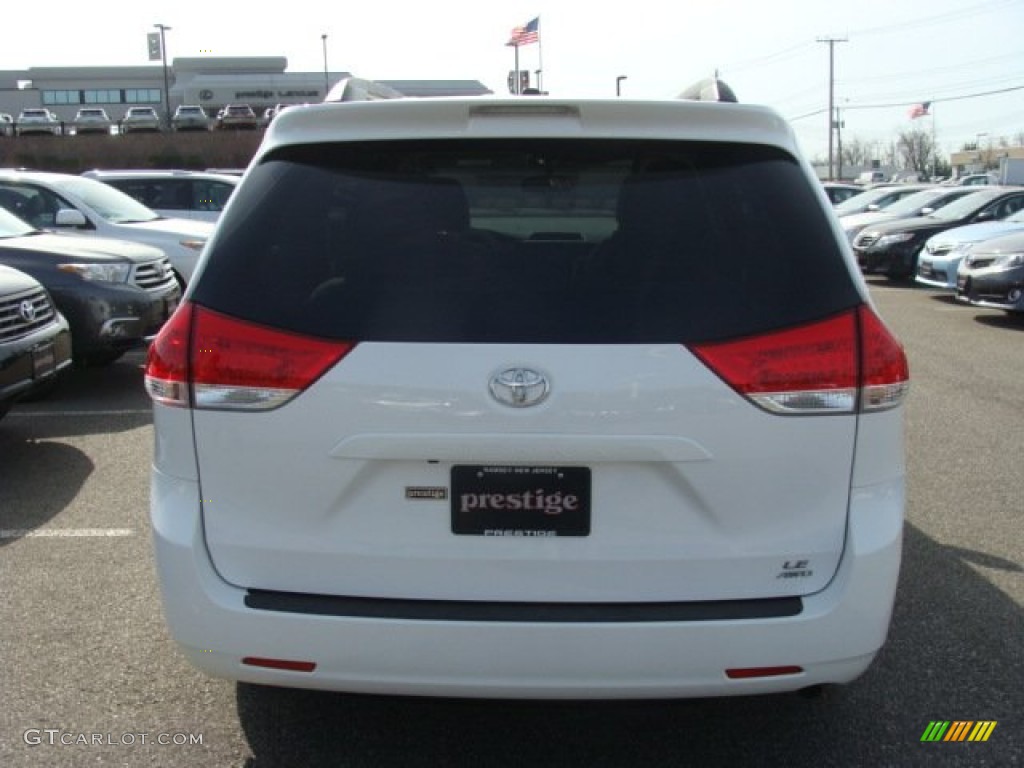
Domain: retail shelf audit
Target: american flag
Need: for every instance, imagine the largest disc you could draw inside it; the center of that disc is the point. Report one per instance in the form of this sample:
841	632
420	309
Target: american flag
919	110
529	33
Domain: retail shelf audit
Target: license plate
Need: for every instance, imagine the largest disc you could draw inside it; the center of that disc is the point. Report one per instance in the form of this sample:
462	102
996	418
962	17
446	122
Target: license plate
520	501
962	281
44	361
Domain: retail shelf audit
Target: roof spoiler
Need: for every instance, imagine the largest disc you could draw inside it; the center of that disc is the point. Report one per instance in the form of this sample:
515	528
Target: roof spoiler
709	89
358	89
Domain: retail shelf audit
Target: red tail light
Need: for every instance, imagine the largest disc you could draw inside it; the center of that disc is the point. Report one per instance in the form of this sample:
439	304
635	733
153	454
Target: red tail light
204	359
838	365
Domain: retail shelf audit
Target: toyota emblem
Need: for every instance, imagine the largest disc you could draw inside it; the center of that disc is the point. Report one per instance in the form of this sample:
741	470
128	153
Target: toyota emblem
519	387
27	310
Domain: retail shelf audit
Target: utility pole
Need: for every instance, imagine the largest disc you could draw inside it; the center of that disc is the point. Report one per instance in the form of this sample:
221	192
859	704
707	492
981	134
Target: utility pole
167	88
831	92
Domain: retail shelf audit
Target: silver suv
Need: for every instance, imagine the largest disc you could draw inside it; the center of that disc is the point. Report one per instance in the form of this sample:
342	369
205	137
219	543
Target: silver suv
529	398
190	117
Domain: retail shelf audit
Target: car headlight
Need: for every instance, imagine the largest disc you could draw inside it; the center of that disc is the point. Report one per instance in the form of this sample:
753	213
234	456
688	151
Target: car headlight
1009	260
898	237
193	245
101	273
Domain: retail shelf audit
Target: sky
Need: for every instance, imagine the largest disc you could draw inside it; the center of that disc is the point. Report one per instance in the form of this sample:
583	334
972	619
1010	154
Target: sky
964	56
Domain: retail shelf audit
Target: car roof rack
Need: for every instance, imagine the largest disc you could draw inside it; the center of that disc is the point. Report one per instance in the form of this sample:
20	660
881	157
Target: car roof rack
358	89
709	89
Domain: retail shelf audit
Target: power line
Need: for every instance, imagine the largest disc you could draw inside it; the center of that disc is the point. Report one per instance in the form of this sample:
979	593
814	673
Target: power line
937	101
892	105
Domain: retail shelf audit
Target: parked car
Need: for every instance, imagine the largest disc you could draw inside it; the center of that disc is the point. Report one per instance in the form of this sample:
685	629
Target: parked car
940	259
236	116
893	246
838	191
114	294
92	120
190	117
918	204
140	119
35	343
877	198
992	274
38	121
976	180
513	361
183	194
80	206
870	177
6	124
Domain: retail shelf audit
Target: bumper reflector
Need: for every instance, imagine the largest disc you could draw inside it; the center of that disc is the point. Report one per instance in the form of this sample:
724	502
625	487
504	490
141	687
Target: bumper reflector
285	664
745	673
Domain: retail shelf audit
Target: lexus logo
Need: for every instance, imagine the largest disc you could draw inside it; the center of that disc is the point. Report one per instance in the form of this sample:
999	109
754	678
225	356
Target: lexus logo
27	310
519	387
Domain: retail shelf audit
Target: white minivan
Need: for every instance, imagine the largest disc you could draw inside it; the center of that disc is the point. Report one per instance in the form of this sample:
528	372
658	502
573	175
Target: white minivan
529	397
82	206
198	195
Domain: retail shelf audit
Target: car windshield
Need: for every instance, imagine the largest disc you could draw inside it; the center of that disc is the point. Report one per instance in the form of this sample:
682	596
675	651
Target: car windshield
857	203
911	204
109	203
12	226
967	205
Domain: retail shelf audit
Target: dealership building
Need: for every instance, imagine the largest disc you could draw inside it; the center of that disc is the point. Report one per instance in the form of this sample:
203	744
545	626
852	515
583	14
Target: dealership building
210	82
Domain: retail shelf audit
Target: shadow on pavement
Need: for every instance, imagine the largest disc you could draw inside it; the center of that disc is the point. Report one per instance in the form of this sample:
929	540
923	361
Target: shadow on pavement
38	479
946	659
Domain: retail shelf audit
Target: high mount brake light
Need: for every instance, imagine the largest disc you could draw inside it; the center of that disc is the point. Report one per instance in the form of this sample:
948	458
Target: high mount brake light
846	363
204	359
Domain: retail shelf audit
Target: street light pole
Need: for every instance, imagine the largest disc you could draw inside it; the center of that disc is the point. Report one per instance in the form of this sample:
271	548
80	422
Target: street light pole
167	88
618	84
327	83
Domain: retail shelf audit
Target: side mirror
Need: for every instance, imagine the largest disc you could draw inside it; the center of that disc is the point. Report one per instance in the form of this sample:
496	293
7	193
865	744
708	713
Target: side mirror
874	207
984	216
927	211
69	217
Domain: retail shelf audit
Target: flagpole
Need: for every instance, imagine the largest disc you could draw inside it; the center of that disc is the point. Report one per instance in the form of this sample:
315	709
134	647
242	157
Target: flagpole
540	55
518	86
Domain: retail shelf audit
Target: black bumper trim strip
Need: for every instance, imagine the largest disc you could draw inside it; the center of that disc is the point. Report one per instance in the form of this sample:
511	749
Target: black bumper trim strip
569	613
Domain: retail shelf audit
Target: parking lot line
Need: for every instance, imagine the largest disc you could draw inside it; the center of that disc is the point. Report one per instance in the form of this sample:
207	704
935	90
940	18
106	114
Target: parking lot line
63	533
117	412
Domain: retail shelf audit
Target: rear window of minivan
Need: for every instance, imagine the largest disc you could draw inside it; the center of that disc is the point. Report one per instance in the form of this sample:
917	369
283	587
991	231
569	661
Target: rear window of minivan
536	241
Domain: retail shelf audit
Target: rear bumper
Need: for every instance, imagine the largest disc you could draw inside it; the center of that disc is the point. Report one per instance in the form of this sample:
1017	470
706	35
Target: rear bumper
833	638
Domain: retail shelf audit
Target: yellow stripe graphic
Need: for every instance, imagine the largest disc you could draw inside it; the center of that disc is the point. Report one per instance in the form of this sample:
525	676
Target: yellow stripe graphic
982	730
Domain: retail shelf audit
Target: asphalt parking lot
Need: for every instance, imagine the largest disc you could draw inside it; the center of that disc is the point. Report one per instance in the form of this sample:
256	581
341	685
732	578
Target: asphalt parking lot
90	677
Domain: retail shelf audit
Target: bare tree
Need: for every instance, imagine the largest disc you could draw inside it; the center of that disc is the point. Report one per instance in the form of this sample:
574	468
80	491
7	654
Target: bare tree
917	150
857	152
